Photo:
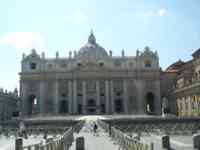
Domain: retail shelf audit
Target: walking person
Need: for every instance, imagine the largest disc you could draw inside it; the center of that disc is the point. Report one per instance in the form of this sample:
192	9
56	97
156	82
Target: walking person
95	127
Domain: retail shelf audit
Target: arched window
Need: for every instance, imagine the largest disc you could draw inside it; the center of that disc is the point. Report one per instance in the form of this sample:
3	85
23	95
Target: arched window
79	64
150	103
32	104
148	64
101	64
33	66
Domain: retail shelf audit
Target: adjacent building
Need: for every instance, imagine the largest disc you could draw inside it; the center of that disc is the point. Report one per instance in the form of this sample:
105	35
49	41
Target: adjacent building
187	87
92	81
8	104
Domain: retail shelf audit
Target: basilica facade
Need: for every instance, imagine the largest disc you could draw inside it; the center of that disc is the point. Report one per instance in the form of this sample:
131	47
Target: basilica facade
91	81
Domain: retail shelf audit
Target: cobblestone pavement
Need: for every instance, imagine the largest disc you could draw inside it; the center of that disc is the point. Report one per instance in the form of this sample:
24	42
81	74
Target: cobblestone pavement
99	141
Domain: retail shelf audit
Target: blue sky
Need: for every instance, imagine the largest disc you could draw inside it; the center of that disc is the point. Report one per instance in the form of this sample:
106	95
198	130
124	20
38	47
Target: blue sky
171	27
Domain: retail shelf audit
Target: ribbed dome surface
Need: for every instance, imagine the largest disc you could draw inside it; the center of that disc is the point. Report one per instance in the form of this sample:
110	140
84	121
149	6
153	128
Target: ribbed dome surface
92	49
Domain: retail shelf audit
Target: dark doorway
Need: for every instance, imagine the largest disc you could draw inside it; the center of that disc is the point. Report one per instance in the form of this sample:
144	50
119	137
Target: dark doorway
79	109
91	106
103	110
32	103
150	103
63	106
118	105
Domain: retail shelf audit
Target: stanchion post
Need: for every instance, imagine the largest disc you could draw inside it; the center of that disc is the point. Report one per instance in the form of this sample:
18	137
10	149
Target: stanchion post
151	146
19	144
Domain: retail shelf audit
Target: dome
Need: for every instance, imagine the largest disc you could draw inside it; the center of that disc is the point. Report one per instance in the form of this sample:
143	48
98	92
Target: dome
92	49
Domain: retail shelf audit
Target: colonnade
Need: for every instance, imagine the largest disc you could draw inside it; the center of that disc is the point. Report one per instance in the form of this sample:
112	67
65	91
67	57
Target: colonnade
72	97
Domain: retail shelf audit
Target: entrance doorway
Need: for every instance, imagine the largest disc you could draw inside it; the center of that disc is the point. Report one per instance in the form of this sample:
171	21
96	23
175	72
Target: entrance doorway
150	103
118	105
91	106
63	107
31	105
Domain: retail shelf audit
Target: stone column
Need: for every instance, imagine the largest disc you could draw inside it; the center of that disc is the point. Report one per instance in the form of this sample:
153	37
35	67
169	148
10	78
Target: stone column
74	96
24	96
98	96
19	144
141	107
42	97
112	96
56	106
84	96
178	106
189	99
70	97
107	97
125	96
184	106
157	102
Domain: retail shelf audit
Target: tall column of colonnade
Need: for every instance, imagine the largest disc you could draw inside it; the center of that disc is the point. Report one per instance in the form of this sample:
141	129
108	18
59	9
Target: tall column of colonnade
72	96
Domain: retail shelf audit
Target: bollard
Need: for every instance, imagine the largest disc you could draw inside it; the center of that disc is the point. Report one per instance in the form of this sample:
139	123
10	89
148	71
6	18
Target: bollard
25	135
151	146
45	135
109	128
196	141
36	147
166	142
19	144
80	143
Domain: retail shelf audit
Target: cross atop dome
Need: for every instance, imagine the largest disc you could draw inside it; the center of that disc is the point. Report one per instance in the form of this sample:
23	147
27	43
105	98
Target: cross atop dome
91	38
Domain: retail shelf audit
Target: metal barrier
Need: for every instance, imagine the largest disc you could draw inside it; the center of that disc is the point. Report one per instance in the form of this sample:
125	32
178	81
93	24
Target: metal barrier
61	143
125	142
169	128
78	126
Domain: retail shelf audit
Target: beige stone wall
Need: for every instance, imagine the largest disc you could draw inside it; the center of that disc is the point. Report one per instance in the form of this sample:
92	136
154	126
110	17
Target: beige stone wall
189	106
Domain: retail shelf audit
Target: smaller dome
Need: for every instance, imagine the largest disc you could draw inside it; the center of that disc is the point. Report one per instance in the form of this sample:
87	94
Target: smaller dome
92	49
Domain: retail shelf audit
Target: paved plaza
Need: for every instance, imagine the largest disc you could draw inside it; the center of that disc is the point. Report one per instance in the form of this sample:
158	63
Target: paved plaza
99	141
9	143
102	141
181	142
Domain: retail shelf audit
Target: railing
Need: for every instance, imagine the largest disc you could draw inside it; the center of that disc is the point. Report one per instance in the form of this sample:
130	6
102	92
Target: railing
61	143
78	126
125	142
160	128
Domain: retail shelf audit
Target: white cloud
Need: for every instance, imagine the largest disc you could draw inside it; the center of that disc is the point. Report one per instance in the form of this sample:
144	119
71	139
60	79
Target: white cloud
24	40
160	12
77	17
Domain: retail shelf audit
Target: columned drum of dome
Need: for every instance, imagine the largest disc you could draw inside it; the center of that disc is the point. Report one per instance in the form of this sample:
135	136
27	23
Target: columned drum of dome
91	82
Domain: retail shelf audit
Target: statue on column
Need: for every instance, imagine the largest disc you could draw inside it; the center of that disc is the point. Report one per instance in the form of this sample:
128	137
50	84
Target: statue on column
70	54
123	53
110	53
165	106
22	129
